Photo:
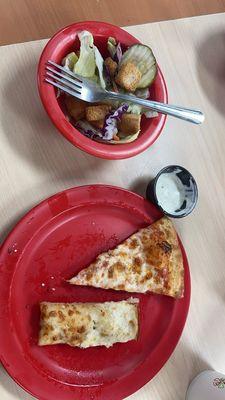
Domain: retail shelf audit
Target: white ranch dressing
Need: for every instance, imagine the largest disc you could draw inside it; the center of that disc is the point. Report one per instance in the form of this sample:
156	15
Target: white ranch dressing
170	192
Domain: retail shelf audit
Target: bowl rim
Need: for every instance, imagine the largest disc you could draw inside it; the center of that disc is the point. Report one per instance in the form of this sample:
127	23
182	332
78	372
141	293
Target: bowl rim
58	118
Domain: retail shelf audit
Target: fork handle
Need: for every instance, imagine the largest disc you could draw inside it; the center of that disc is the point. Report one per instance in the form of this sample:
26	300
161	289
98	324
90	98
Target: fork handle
190	115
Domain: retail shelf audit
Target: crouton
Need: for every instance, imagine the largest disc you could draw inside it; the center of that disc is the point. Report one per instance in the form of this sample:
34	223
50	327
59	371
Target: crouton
99	124
130	124
116	138
96	113
75	107
111	66
128	76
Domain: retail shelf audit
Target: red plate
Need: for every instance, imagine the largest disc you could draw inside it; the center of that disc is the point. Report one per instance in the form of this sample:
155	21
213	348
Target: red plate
50	244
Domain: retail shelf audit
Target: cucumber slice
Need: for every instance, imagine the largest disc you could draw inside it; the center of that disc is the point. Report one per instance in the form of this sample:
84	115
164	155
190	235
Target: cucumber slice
144	59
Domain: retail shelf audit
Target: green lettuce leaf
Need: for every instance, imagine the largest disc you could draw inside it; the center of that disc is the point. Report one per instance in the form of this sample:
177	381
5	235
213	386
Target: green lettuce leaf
86	64
99	63
90	58
70	60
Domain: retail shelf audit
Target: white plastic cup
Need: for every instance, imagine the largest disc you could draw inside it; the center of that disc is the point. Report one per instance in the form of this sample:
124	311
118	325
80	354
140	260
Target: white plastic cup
208	385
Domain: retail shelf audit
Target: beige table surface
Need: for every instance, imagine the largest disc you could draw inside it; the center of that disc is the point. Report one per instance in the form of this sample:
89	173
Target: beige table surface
26	20
36	162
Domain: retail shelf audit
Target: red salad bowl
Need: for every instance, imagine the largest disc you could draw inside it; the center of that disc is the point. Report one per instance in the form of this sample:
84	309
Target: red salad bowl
62	43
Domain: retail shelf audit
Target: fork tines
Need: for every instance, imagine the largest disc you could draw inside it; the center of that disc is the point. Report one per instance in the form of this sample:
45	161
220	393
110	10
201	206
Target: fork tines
66	80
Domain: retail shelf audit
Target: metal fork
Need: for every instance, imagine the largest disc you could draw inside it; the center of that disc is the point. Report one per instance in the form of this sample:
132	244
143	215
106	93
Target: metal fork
86	90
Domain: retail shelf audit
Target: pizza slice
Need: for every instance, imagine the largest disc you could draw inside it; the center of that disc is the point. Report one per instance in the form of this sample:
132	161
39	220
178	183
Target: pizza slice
88	324
148	261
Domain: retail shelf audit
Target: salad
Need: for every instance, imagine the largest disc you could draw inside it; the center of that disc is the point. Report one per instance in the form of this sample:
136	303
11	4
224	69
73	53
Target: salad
131	71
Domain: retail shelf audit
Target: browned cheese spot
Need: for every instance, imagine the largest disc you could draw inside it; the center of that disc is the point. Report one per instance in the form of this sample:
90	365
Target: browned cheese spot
136	267
104	334
122	254
70	313
105	264
43	308
147	277
151	255
133	244
52	314
119	266
72	329
145	239
75	338
89	275
165	246
121	287
49	328
81	329
61	315
132	324
110	272
157	279
155	256
160	291
166	284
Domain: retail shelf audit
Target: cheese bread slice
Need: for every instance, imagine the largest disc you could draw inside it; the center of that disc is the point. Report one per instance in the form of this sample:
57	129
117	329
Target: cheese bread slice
88	324
148	261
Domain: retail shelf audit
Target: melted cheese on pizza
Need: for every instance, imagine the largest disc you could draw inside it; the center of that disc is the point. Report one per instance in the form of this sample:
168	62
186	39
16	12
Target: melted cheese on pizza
149	260
88	324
